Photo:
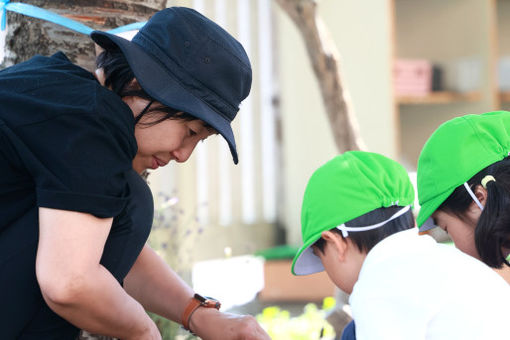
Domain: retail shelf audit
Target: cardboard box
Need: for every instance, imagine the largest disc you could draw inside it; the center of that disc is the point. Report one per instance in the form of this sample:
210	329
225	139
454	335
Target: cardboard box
281	285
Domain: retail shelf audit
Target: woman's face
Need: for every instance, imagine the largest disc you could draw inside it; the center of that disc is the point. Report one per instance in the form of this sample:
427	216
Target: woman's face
461	231
171	139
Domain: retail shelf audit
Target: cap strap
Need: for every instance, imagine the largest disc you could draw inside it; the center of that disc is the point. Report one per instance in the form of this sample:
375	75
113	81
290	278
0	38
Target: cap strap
345	229
486	180
472	194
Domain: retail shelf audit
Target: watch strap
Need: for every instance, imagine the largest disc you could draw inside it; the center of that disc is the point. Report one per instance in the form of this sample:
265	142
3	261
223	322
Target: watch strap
195	302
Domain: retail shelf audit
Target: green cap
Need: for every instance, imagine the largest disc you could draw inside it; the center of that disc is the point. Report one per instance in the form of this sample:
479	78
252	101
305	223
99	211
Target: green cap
346	187
455	152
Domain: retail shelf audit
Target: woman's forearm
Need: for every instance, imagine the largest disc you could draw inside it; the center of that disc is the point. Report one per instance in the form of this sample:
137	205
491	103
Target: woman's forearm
156	286
160	290
97	303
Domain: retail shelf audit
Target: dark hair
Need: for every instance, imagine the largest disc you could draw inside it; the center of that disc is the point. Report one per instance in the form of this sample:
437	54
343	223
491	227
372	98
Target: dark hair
366	240
119	77
492	230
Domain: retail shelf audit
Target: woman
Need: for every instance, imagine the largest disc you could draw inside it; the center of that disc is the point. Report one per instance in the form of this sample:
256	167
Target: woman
464	185
75	214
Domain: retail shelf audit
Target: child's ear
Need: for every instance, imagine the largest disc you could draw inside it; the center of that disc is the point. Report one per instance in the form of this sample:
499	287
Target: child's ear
481	194
336	242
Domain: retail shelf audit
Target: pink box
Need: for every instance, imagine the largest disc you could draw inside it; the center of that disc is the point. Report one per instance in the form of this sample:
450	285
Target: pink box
412	77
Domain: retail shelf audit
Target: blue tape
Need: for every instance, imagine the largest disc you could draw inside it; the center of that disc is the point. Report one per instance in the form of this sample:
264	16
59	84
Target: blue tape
130	27
3	9
39	13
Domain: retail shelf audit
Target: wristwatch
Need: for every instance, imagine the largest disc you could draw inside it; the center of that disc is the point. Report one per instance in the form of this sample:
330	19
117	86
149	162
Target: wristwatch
196	302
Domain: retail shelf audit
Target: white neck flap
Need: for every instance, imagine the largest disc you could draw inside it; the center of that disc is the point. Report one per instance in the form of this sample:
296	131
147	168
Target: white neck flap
472	194
345	229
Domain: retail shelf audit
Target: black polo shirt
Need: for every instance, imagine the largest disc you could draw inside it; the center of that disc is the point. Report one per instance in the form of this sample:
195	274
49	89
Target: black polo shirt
66	142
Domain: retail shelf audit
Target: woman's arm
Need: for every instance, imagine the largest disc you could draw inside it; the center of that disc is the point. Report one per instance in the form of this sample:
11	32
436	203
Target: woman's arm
156	286
76	286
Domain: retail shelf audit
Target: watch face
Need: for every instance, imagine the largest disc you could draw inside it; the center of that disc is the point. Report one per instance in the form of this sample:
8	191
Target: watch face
200	297
207	301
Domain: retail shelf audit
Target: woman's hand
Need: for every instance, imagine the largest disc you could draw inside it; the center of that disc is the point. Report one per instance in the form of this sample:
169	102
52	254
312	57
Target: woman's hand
210	324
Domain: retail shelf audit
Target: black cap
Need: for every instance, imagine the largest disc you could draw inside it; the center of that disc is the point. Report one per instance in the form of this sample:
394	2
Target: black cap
186	61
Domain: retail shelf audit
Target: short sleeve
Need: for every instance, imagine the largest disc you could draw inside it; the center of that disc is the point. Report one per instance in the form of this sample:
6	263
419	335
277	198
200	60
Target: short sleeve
78	162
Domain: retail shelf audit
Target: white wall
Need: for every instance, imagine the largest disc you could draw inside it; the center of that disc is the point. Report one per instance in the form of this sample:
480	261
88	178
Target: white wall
362	32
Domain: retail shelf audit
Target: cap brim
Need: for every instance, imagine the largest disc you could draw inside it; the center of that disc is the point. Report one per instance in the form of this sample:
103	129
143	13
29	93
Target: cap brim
306	262
162	86
427	225
428	208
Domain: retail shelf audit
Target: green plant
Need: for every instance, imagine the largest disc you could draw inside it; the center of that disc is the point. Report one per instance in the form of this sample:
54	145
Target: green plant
310	325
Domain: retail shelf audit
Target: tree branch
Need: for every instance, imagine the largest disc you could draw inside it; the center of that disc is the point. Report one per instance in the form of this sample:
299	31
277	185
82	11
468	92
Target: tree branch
325	58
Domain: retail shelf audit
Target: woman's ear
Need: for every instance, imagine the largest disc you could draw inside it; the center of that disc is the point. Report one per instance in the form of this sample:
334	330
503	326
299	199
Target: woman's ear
336	243
98	49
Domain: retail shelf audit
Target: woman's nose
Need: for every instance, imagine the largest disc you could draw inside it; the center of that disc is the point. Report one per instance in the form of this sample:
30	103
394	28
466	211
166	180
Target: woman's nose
184	152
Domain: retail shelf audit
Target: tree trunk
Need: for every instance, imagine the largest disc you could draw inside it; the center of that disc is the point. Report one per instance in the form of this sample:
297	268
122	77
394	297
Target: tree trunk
326	65
29	36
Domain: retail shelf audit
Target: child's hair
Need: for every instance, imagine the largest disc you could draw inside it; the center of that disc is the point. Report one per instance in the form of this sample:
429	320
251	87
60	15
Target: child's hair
366	240
493	228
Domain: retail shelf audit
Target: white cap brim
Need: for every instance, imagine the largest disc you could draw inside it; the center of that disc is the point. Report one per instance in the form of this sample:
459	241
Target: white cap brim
308	263
427	225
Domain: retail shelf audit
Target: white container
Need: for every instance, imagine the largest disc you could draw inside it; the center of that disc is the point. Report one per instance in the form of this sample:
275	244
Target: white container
466	74
504	73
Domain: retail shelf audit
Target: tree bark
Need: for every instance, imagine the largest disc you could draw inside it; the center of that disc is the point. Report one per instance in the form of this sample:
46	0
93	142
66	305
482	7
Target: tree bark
28	36
325	60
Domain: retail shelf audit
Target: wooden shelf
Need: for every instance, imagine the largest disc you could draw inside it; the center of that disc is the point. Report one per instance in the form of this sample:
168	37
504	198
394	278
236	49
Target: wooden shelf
443	97
504	96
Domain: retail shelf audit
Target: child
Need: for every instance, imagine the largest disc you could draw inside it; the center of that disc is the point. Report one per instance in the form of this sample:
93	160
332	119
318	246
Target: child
464	185
357	224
